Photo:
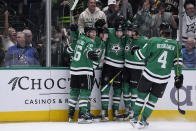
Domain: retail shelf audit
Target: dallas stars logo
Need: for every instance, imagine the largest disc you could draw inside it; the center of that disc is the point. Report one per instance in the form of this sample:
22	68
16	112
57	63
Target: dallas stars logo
191	28
127	48
116	48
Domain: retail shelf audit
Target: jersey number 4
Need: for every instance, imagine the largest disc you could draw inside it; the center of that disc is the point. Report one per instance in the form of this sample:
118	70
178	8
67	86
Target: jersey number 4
163	59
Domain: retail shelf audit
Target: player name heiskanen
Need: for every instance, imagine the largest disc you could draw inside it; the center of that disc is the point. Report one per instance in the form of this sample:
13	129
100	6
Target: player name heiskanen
166	46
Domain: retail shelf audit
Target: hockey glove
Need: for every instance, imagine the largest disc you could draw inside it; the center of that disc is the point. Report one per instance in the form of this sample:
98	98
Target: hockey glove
73	27
133	48
178	81
93	55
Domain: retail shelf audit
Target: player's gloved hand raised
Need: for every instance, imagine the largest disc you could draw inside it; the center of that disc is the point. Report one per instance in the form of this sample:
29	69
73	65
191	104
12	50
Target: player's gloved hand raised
133	48
93	55
73	27
178	81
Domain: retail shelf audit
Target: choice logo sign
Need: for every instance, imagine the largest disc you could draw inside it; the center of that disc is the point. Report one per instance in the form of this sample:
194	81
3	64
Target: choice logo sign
37	84
185	91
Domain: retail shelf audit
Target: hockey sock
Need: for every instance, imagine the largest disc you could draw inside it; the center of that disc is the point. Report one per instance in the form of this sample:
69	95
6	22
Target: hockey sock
74	93
140	100
116	97
133	96
83	100
89	104
126	94
150	105
105	98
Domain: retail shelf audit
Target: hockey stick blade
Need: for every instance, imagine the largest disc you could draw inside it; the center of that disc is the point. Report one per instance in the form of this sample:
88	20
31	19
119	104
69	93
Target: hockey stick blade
183	112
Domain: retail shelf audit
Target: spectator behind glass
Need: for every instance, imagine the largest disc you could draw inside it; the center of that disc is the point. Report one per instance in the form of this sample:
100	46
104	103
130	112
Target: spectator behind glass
189	54
111	12
143	18
29	37
21	54
115	9
11	40
161	17
188	22
90	15
99	4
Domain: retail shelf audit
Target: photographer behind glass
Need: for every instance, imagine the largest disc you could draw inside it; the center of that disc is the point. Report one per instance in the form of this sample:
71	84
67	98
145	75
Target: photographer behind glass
21	54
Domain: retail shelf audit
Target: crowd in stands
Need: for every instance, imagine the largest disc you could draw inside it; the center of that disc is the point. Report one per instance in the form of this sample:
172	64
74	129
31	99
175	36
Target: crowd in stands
23	22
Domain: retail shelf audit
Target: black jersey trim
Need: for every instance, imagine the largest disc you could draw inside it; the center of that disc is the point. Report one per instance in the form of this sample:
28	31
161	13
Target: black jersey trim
165	78
139	64
81	70
150	104
114	61
138	53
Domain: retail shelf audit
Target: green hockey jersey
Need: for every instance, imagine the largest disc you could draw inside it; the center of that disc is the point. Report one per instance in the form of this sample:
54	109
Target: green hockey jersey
100	49
114	55
162	55
130	61
74	36
81	64
70	49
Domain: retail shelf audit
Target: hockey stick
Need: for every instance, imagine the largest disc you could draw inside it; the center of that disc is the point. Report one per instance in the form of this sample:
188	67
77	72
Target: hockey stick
111	81
74	5
179	110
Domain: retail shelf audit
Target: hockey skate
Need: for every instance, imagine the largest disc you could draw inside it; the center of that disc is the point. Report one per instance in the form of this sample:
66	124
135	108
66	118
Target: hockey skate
133	121
104	115
142	124
118	116
128	113
85	118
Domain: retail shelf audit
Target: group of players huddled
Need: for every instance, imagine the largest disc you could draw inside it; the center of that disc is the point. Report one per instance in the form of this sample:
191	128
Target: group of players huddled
134	65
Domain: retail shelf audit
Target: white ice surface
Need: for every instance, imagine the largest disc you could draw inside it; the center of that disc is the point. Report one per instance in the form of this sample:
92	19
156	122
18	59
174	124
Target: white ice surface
102	126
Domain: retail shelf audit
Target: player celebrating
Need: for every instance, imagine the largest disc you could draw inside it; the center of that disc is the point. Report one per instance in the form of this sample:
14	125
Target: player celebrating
162	53
113	64
132	68
81	71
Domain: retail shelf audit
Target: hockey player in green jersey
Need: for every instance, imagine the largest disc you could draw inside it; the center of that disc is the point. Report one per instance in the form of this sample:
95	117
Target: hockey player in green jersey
132	68
101	36
100	40
81	71
162	53
113	64
100	44
70	48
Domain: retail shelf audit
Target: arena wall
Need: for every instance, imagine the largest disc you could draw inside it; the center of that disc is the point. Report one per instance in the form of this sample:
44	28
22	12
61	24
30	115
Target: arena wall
42	95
